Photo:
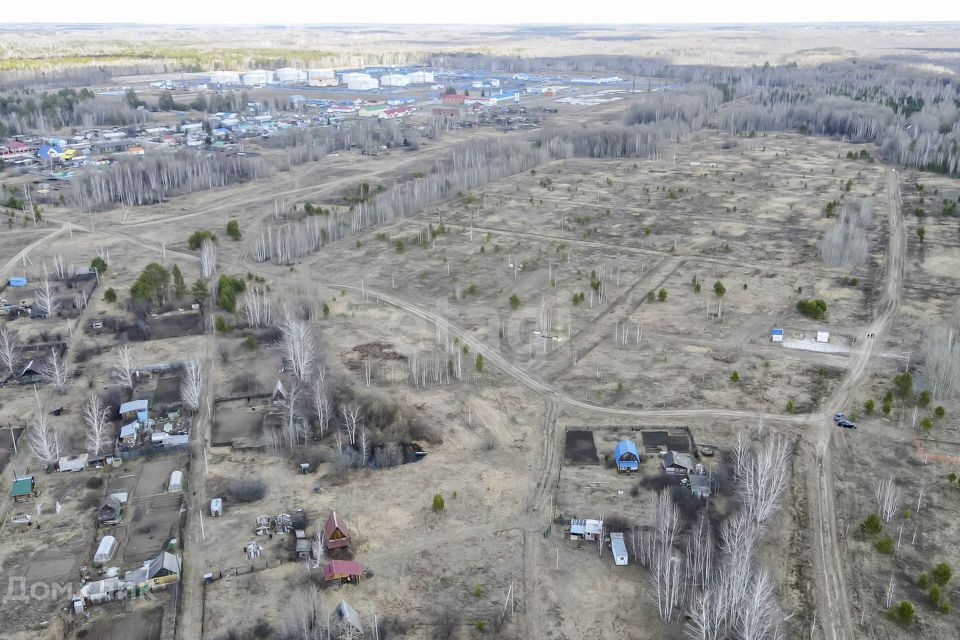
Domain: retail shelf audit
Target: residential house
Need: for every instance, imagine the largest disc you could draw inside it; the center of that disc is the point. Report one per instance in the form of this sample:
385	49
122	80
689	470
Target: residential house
279	395
343	571
30	374
164	569
336	532
138	409
677	463
627	456
24	489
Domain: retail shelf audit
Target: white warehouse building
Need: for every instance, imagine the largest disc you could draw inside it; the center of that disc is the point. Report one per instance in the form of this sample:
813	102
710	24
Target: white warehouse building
321	78
420	77
260	76
225	77
394	80
360	81
289	74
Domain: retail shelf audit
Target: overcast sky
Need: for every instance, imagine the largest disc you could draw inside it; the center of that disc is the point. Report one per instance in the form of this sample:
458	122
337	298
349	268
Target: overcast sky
477	11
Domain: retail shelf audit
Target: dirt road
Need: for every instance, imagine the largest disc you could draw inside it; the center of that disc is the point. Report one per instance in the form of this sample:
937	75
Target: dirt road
834	608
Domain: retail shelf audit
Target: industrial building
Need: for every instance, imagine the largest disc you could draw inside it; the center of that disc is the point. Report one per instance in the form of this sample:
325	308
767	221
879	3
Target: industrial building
260	76
321	78
360	81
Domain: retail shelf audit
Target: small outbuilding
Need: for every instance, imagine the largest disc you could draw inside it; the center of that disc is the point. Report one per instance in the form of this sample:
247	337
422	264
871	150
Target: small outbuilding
336	532
677	463
586	529
700	486
24	489
30	374
216	507
279	395
176	481
73	463
129	433
619	548
105	550
627	456
349	619
343	571
110	511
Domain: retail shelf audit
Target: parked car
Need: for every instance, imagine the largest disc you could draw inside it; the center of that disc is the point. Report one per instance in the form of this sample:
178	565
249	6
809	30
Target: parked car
22	518
837	417
846	424
97	324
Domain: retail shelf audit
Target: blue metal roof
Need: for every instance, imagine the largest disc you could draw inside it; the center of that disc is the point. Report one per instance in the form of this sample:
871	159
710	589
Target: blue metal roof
626	447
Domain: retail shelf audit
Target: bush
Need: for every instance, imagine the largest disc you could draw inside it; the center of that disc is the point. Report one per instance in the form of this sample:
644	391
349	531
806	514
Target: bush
884	545
944	606
815	309
939	412
250	343
249	490
94	482
221	325
934	595
98	264
869	405
514	301
872	525
110	295
662	295
478	591
438	504
902	613
233	230
942	574
923	581
197	237
924	399
719	289
479	362
735	376
227	289
790	406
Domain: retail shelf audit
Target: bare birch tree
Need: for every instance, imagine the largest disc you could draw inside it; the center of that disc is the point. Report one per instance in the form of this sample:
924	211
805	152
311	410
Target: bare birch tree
256	306
47	297
887	496
9	350
351	420
123	368
297	346
54	371
96	418
321	400
208	258
43	440
191	381
761	475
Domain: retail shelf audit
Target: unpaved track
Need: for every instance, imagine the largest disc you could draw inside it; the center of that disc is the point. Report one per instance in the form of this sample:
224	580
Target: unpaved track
834	607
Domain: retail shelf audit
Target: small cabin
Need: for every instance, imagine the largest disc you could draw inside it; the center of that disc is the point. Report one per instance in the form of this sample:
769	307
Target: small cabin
586	529
24	489
627	456
110	511
676	463
343	571
336	532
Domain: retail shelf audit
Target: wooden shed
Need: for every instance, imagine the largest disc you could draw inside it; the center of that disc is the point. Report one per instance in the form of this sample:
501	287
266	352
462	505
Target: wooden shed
343	570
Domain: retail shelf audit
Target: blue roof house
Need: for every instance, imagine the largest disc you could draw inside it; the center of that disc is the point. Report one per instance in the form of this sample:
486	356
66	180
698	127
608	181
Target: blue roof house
627	457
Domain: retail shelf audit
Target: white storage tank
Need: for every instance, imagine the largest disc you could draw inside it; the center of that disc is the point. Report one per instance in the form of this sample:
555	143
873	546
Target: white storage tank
106	549
176	481
394	80
420	77
260	76
289	74
225	77
360	81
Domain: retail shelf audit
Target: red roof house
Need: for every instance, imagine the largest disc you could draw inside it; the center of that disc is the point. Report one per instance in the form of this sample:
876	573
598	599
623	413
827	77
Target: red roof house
343	570
336	532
